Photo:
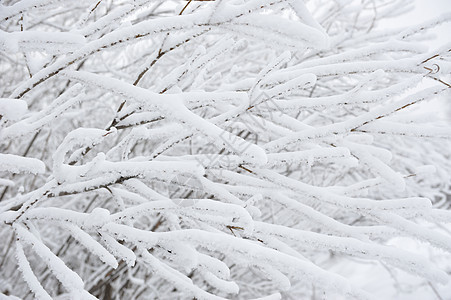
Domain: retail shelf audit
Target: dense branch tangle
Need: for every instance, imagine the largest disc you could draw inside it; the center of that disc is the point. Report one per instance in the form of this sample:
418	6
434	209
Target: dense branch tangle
213	149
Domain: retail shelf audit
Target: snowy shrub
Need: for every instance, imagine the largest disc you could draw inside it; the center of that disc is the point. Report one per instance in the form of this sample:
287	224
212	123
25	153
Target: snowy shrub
216	149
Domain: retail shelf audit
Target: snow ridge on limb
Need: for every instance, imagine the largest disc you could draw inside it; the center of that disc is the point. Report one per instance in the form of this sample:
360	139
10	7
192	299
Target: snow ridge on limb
70	280
35	122
252	251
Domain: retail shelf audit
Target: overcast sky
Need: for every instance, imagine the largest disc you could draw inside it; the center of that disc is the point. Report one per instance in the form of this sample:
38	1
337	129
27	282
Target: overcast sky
425	10
431	8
